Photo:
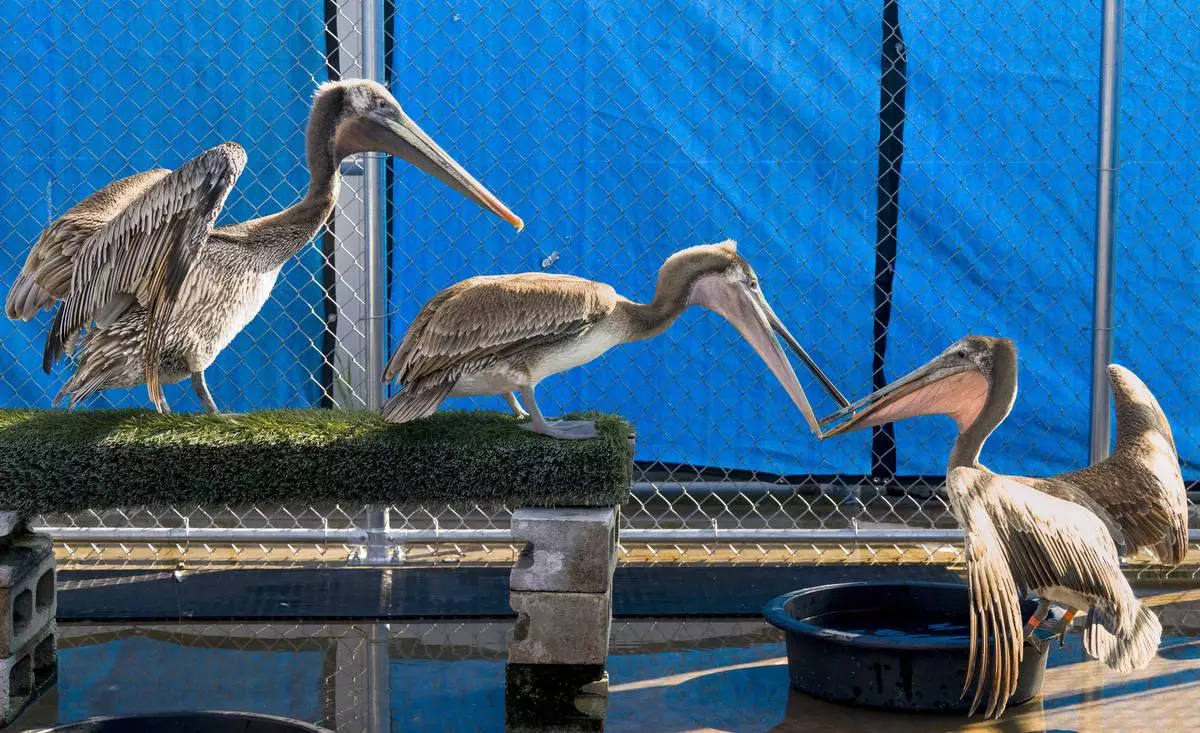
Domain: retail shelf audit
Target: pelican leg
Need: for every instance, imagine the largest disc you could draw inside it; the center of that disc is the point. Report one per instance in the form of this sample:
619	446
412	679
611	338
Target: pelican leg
200	387
517	411
1066	626
1038	617
562	429
1043	608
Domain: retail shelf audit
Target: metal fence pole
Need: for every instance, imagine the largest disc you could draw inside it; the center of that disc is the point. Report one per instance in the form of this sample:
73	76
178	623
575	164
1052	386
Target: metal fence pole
372	223
378	697
377	516
1106	208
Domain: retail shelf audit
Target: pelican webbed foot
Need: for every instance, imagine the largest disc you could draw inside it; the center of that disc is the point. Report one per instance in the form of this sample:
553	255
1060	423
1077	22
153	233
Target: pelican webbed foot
561	429
1038	643
564	429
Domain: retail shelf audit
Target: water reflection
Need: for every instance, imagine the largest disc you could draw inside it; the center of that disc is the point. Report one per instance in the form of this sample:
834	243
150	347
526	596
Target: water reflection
665	676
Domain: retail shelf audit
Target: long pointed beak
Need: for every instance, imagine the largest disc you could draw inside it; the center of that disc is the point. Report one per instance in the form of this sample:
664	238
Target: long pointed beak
754	319
881	405
410	143
794	345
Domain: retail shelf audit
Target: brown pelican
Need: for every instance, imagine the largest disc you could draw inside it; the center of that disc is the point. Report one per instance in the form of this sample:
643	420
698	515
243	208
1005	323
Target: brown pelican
167	291
497	335
1059	537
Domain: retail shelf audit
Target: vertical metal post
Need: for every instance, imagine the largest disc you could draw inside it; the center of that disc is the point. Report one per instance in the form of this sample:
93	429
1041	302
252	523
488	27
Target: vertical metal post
378	692
376	329
1106	225
361	699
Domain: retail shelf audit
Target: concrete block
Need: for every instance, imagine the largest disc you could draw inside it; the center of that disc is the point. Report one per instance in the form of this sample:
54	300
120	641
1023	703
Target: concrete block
45	651
26	675
560	628
28	601
567	550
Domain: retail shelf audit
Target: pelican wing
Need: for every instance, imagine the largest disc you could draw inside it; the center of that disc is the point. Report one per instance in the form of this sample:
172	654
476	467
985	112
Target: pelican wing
484	318
1020	538
995	609
144	253
46	276
1140	485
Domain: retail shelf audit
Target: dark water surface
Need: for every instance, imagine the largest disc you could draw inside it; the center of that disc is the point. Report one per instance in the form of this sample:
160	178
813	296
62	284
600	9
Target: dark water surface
891	623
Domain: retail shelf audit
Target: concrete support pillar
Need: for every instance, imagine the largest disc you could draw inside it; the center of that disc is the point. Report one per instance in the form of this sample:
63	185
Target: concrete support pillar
561	589
28	602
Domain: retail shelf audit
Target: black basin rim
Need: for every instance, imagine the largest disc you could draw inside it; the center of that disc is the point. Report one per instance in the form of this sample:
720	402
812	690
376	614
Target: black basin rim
228	716
776	613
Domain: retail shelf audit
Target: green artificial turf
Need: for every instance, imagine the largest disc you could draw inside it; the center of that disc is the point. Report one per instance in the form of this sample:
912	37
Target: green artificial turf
54	461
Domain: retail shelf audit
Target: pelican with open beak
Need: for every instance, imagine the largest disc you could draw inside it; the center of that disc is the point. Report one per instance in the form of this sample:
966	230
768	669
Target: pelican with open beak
955	383
1059	537
502	335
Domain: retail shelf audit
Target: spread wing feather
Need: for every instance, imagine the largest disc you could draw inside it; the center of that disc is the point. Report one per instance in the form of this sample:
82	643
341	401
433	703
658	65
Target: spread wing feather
144	251
1019	539
46	276
995	609
1140	485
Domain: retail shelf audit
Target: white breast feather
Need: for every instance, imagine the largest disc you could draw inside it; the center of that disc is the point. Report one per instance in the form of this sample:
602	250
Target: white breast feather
258	297
599	339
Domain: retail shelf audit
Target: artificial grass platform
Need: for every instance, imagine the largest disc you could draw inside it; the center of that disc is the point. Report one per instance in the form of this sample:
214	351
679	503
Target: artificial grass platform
52	461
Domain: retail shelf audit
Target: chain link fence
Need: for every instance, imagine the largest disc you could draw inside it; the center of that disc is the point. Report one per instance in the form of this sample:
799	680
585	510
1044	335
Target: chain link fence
899	173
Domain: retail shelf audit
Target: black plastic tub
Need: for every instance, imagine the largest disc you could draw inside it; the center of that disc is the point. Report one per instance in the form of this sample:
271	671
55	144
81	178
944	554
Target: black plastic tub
207	721
893	645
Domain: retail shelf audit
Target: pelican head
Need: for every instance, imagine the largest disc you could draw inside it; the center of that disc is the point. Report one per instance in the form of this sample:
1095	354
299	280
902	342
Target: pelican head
955	383
722	281
362	116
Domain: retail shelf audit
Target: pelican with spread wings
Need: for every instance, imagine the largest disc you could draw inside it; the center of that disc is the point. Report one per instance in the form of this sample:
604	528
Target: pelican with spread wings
157	292
1060	538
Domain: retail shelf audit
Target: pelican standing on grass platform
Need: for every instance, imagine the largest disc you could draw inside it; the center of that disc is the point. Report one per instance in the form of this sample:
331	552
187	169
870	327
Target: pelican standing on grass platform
165	290
1061	537
503	334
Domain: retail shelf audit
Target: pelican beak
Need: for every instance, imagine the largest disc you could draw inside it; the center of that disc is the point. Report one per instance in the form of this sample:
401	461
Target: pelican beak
404	139
795	346
747	309
933	388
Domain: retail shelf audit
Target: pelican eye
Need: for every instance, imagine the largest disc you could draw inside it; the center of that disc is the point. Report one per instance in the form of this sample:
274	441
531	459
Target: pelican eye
961	354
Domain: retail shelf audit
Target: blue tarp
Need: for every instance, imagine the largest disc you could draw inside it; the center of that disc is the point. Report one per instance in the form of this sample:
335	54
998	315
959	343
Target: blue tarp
997	218
622	134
